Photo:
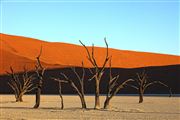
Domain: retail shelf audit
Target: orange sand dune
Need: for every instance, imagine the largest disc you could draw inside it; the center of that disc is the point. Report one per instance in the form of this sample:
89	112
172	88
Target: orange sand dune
20	51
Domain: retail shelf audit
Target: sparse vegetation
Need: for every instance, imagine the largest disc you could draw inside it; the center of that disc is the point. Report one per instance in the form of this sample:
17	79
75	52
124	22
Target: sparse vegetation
20	84
140	83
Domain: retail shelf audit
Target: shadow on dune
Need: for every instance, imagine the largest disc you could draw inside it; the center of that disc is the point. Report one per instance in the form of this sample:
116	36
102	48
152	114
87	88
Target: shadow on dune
169	75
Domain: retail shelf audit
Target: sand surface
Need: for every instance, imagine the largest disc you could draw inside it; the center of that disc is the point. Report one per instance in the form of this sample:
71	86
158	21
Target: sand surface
18	51
123	108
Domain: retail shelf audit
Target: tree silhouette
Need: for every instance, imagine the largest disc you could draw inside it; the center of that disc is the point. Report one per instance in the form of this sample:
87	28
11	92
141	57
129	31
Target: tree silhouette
20	85
79	90
60	90
97	75
142	84
40	77
113	87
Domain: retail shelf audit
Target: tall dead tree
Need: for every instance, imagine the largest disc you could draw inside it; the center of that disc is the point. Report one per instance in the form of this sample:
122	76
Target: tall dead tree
20	85
39	76
97	75
60	90
113	87
142	84
79	90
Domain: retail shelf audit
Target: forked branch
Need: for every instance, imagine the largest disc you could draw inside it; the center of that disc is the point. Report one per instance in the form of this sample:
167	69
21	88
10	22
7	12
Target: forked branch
113	86
79	90
143	84
97	75
20	85
40	77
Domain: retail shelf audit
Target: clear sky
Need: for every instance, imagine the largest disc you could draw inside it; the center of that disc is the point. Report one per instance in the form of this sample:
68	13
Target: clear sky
141	25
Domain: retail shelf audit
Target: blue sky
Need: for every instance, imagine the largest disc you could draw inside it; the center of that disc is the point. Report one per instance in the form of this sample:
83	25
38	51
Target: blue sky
143	25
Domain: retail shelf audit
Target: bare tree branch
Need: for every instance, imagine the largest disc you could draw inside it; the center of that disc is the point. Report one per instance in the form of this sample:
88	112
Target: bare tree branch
60	90
143	84
113	86
98	71
39	76
20	87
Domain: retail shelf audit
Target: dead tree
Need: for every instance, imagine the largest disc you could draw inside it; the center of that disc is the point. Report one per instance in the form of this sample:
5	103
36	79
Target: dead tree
60	90
142	84
98	73
20	85
39	76
113	87
80	91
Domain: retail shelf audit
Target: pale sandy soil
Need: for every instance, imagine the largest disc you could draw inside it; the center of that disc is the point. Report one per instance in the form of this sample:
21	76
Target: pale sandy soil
123	108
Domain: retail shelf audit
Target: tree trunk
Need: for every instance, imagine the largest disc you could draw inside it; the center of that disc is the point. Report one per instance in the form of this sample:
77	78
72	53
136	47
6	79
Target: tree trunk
83	102
60	94
106	103
62	102
140	95
19	99
97	99
38	93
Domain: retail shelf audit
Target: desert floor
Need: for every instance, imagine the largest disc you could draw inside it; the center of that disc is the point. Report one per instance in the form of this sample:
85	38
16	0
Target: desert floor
123	108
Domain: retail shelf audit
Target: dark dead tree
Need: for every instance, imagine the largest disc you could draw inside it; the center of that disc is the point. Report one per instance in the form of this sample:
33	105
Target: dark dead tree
20	85
80	91
39	76
98	73
142	84
113	87
60	90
